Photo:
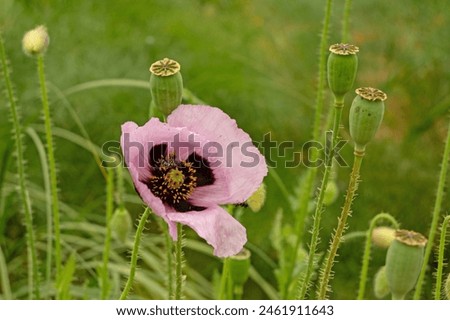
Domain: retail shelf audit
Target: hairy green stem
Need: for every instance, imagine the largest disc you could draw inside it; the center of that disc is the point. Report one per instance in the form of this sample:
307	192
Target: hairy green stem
304	286
436	214
311	173
52	166
105	283
440	267
179	262
368	247
334	246
346	21
135	254
33	273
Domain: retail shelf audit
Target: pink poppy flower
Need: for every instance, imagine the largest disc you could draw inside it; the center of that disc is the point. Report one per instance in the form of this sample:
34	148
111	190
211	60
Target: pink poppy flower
186	168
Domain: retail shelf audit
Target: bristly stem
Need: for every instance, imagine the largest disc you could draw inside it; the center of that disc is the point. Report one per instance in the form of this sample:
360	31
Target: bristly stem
440	267
135	254
179	263
31	249
436	214
346	21
368	247
105	283
304	286
336	241
52	165
312	172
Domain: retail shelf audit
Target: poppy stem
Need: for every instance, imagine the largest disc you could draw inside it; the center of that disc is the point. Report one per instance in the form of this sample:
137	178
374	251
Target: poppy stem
52	166
33	276
225	279
305	284
368	247
179	261
135	254
326	271
440	267
436	213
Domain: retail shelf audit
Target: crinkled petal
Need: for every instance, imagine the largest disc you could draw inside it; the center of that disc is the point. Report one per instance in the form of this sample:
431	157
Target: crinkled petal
224	233
239	166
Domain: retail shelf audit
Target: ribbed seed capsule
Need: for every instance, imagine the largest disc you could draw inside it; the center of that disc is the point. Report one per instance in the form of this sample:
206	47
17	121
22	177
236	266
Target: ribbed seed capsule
380	284
121	224
404	261
366	114
239	267
341	69
166	85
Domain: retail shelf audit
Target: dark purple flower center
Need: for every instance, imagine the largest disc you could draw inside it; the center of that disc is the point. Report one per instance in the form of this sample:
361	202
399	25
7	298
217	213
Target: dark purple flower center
174	181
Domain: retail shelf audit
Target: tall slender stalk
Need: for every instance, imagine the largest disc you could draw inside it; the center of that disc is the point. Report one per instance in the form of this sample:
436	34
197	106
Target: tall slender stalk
179	263
312	172
368	247
436	215
337	237
33	274
4	277
304	286
225	279
440	267
346	21
52	165
135	254
105	283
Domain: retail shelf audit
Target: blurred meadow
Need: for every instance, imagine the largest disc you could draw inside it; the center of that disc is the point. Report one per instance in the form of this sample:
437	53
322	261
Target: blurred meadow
257	61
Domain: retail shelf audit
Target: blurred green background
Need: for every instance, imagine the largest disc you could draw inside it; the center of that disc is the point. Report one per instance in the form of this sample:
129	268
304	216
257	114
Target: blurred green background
257	60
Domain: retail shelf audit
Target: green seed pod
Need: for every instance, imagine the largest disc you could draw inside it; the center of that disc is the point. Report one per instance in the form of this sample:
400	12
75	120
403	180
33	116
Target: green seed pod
35	41
447	287
380	284
257	199
404	261
331	193
382	237
341	69
365	117
166	85
239	267
121	224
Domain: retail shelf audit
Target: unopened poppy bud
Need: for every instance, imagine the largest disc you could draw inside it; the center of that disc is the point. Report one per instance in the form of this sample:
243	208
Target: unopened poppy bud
35	41
380	284
257	199
383	236
121	224
341	69
447	287
404	261
166	85
331	193
366	114
239	267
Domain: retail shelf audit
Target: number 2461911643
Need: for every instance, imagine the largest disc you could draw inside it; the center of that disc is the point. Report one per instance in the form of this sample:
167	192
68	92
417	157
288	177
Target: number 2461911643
301	310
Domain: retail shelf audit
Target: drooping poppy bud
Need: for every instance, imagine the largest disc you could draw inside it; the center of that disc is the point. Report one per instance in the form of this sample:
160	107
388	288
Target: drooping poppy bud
36	41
